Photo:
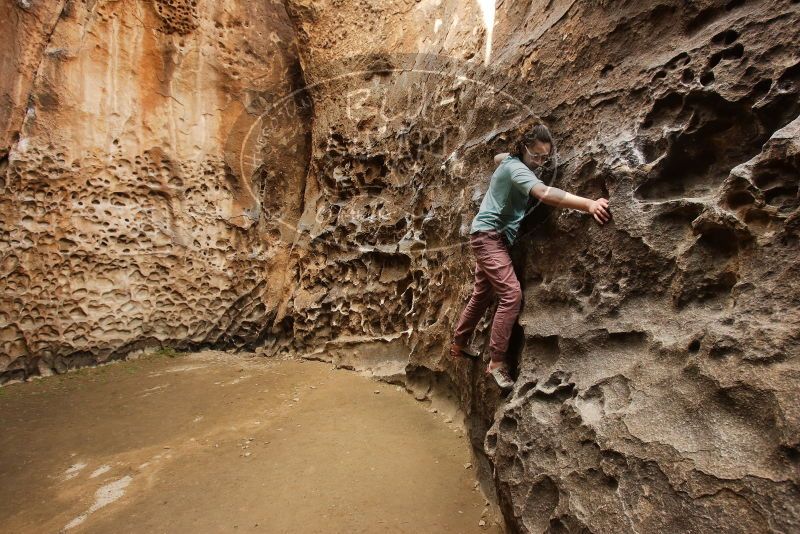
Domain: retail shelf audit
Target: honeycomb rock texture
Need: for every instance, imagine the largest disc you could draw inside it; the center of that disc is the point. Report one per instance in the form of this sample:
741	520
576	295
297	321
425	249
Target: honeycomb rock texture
657	356
301	177
129	218
177	16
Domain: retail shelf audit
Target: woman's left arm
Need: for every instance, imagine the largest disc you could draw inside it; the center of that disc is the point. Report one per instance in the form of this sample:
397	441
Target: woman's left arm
500	157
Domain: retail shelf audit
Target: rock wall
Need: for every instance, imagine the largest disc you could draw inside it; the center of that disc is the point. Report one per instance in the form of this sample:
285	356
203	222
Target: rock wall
659	366
657	356
129	218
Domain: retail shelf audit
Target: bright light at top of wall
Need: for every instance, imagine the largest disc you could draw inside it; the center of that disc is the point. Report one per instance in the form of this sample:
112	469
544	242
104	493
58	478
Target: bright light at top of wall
487	8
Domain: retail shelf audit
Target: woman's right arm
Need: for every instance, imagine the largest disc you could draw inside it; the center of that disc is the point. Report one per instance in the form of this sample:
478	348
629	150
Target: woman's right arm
554	196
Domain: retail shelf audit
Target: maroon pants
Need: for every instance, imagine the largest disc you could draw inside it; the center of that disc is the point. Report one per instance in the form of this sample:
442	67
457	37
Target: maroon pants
494	274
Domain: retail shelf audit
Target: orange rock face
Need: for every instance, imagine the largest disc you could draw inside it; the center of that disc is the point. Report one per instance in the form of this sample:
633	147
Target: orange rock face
127	217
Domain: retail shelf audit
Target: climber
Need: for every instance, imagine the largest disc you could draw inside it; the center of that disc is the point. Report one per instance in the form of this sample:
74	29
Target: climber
492	233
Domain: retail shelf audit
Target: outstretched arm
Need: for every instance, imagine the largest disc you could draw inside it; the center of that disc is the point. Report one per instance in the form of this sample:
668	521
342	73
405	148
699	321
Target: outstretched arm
554	196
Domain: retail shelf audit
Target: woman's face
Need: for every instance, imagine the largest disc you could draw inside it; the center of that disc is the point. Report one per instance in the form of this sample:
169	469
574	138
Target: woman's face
536	154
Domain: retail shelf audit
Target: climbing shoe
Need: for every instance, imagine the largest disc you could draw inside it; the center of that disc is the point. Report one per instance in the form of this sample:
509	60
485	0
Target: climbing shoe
466	352
501	376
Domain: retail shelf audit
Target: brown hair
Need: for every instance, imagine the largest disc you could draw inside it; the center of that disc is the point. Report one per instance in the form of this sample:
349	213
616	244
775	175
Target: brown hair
539	132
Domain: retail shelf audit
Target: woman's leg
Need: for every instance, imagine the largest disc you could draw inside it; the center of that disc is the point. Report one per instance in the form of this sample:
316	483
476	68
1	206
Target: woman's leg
495	261
482	294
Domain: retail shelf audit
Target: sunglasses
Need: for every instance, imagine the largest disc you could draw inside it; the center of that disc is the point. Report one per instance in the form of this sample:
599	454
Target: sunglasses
541	159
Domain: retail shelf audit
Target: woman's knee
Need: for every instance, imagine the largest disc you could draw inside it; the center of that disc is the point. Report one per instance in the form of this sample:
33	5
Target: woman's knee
512	294
482	293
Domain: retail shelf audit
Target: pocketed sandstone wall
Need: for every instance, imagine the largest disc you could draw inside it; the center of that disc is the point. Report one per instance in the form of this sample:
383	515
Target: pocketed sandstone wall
129	217
657	355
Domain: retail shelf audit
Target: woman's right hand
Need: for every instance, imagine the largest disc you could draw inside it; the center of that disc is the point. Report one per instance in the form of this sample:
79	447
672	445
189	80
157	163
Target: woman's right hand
599	210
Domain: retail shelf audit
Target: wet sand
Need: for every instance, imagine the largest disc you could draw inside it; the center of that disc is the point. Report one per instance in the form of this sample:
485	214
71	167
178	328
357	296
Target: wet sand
217	442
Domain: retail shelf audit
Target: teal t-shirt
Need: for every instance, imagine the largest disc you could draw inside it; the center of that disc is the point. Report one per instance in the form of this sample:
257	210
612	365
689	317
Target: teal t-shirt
503	205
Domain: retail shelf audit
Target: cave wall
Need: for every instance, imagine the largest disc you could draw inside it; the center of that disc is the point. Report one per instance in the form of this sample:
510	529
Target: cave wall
351	143
658	370
130	216
657	356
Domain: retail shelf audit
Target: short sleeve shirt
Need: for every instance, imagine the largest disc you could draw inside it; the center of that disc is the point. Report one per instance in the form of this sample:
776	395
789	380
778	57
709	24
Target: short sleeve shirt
503	206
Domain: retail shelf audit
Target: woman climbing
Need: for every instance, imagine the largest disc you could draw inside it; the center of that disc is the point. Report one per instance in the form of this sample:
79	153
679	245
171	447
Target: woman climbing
492	233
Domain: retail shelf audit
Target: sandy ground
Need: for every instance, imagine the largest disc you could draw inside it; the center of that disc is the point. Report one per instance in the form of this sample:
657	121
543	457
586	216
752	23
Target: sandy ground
216	442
